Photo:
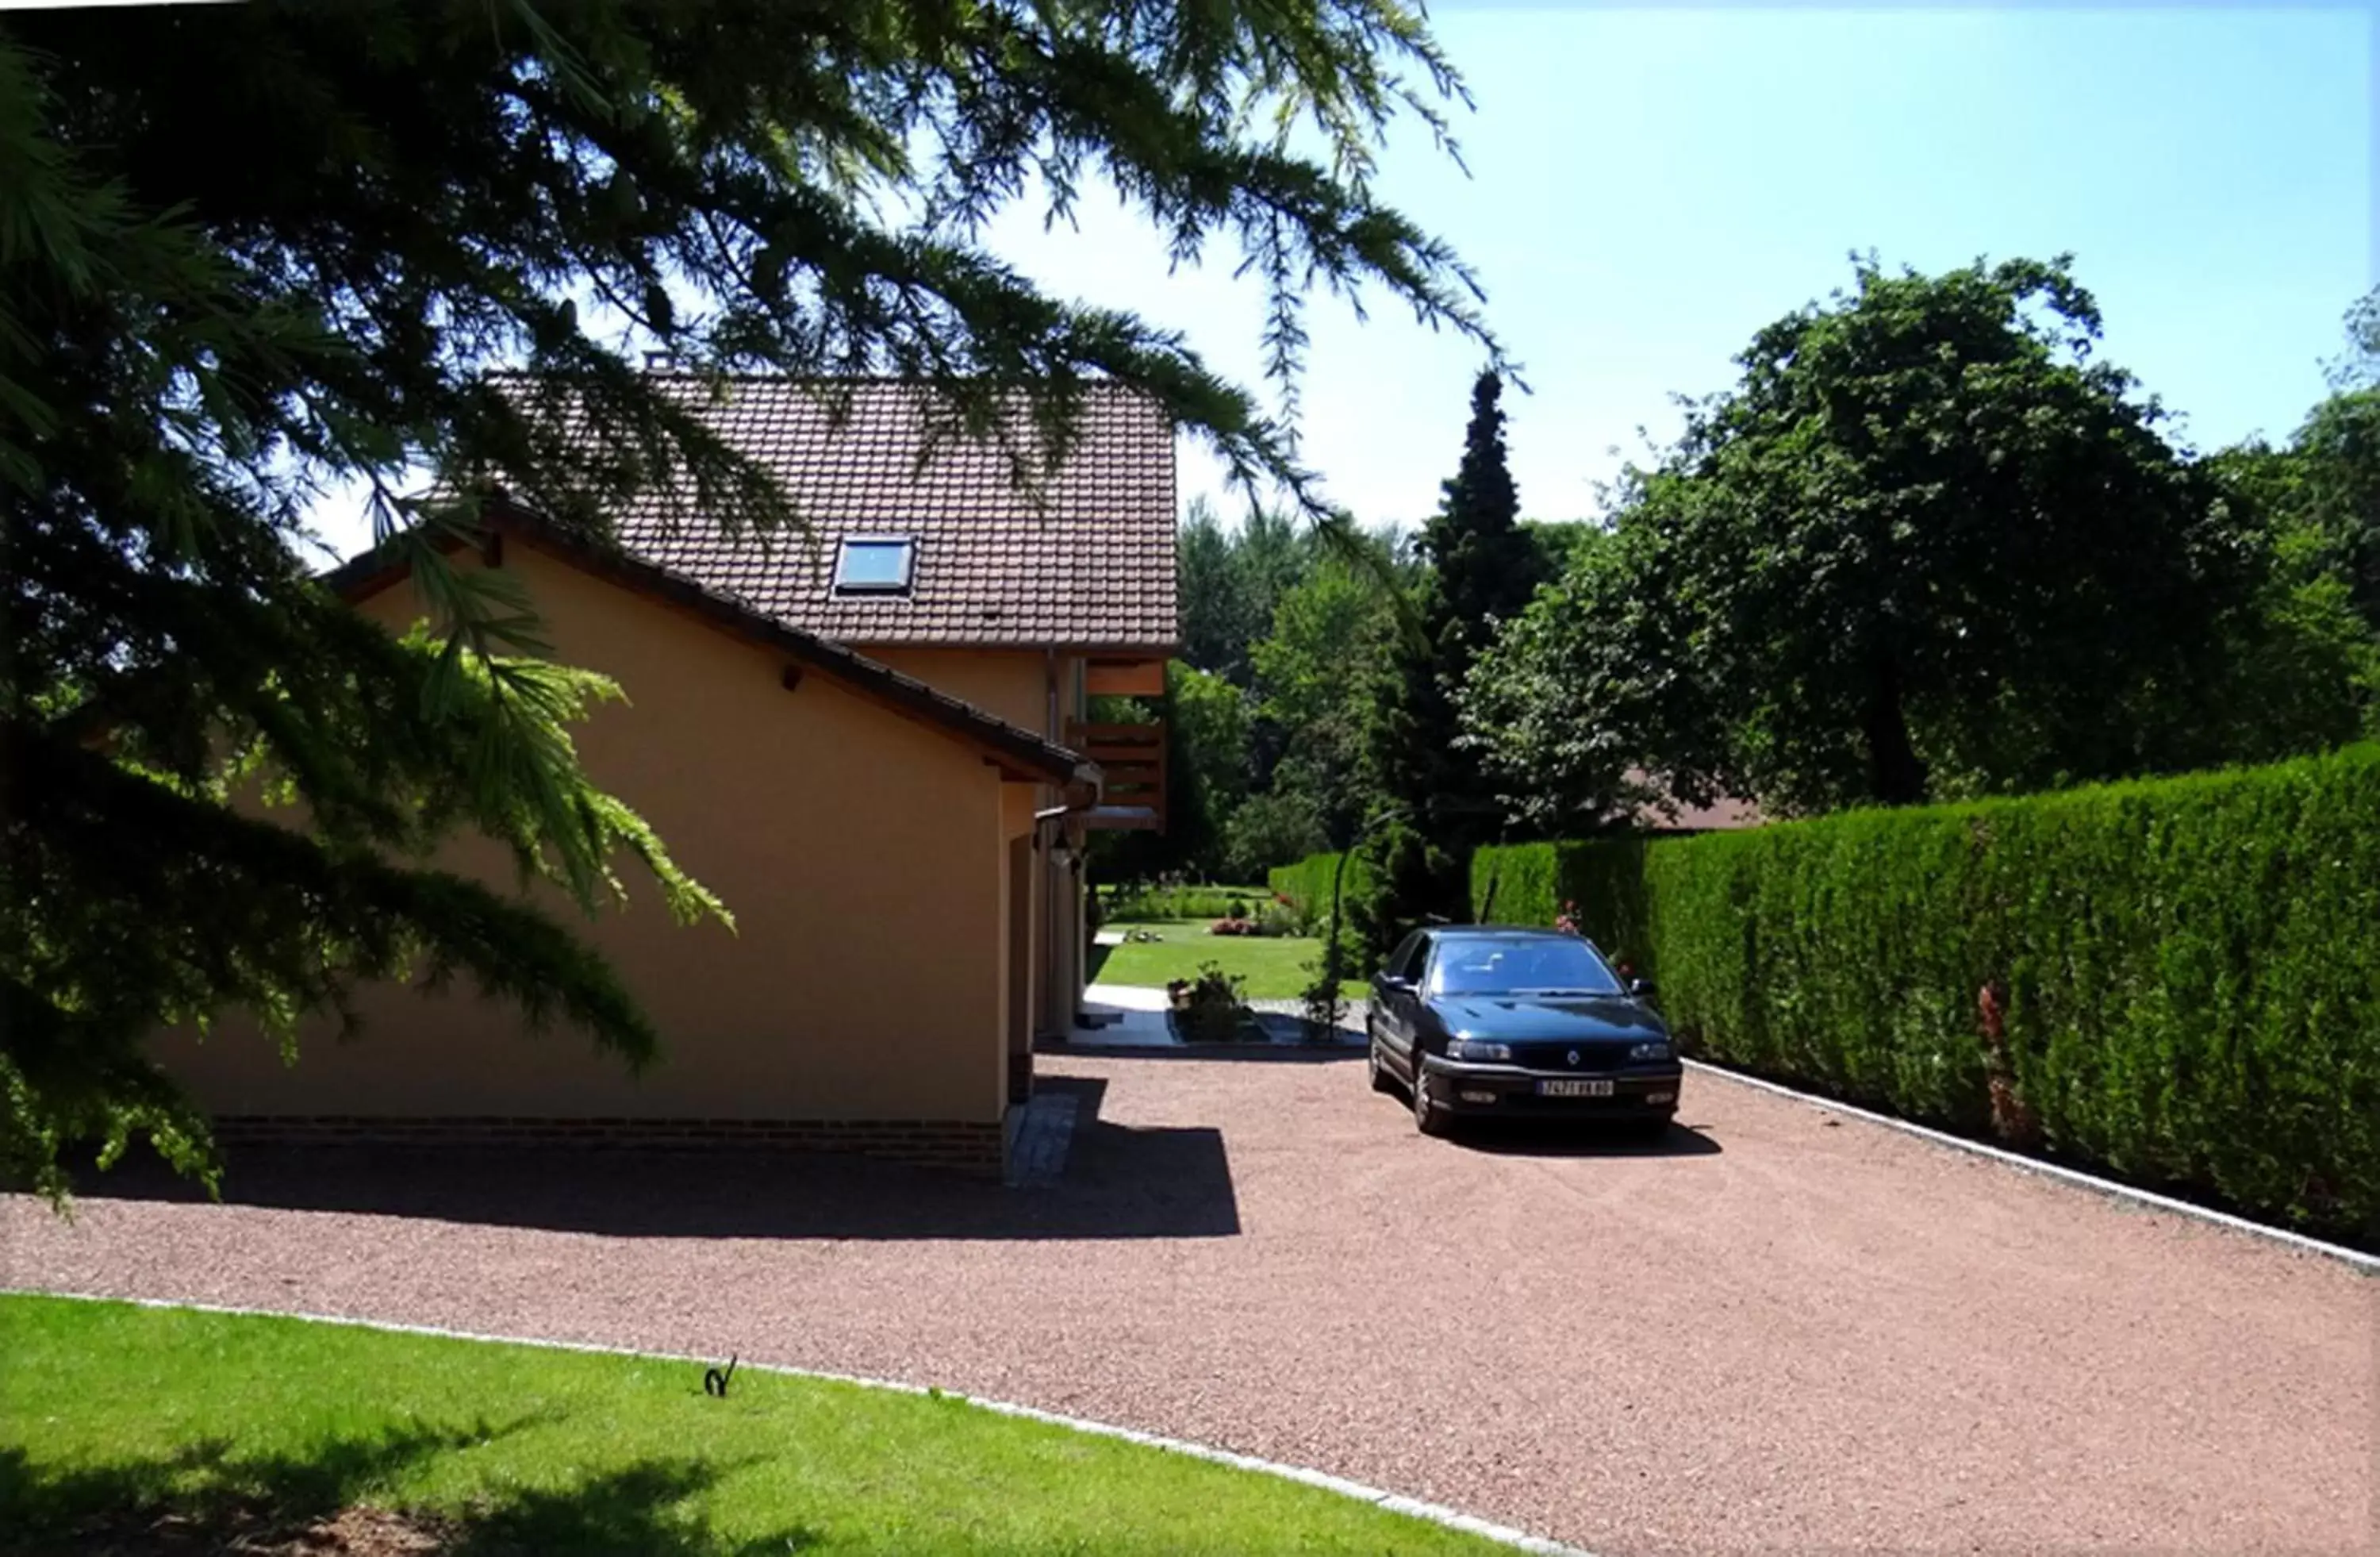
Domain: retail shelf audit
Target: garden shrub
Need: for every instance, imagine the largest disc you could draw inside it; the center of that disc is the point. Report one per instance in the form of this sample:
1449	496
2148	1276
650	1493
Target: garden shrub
2185	973
1213	1008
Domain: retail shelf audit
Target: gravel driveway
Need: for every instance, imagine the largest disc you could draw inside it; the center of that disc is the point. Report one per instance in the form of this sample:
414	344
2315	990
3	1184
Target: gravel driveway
1781	1332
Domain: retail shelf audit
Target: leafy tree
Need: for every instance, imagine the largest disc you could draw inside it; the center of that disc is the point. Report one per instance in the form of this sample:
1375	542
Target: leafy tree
1926	546
2358	368
2336	460
1559	543
1483	568
2304	673
1566	709
1207	741
1270	830
1231	581
1321	675
247	253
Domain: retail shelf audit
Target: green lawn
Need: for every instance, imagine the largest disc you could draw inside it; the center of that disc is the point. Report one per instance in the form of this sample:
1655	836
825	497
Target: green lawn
1275	966
230	1425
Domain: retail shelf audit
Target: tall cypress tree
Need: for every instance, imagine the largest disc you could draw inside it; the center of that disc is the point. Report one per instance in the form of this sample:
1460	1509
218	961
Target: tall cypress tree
1483	567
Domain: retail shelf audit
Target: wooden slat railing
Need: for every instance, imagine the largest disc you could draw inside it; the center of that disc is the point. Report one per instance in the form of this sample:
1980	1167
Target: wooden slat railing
1132	757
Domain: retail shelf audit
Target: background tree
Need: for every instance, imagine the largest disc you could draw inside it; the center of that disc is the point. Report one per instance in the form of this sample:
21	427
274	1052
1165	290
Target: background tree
2334	492
1322	676
1483	567
1926	547
1577	724
1205	721
2359	366
249	251
1231	579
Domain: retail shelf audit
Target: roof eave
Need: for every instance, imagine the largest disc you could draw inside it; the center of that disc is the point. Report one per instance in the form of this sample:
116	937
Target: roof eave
1016	751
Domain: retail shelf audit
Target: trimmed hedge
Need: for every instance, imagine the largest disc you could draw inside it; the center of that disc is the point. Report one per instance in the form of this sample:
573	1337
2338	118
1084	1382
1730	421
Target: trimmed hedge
1306	885
1527	883
2191	969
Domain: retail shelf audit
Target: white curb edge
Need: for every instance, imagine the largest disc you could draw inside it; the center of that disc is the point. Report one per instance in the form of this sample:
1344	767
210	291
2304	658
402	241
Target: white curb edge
1393	1502
2369	1264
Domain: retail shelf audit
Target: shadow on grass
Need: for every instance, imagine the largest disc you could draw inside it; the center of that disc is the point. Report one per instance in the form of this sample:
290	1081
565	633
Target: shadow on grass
1121	1182
207	1499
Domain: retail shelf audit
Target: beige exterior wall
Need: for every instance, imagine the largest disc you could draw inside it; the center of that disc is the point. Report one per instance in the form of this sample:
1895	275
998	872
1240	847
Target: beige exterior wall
1011	683
863	855
1018	686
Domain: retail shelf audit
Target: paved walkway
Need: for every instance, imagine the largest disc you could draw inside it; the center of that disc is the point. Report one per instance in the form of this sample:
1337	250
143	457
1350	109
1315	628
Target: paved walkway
1778	1332
1133	1016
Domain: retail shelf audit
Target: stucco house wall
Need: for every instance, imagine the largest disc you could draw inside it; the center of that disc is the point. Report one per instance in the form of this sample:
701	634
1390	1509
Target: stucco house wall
863	855
1017	685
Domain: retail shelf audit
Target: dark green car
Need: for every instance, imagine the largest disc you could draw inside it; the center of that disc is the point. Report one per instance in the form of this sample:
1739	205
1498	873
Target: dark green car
1502	1021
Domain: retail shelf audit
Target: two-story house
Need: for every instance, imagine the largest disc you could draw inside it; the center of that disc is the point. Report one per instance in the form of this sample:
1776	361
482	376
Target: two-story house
871	743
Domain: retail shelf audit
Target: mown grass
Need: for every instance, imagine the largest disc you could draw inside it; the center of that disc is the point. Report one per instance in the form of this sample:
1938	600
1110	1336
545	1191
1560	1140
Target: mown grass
1275	966
220	1423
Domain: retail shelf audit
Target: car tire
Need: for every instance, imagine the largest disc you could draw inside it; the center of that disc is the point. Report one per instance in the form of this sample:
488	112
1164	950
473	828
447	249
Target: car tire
1433	1122
1381	1081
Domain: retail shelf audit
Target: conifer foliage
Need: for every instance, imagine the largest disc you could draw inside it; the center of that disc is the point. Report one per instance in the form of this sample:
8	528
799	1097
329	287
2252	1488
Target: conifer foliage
1483	569
247	253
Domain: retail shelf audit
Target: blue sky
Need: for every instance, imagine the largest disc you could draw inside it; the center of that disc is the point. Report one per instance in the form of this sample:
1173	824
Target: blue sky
1648	187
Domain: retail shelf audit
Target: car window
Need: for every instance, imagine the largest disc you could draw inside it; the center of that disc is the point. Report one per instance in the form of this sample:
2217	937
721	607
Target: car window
1402	962
1472	965
1417	956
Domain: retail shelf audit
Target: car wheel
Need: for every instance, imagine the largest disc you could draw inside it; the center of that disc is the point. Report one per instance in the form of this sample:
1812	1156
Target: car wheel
1428	1119
1380	1079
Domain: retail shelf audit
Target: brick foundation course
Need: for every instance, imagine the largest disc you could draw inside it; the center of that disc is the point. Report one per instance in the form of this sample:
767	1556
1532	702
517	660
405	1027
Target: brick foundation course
975	1149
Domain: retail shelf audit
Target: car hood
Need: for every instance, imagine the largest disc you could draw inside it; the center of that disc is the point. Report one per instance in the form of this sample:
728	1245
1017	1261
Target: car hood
1550	1016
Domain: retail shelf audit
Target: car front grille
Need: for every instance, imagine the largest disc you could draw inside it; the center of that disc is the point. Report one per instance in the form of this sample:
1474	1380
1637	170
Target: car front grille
1592	1057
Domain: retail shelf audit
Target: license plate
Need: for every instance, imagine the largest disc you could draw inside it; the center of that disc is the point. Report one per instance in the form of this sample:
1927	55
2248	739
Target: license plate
1573	1089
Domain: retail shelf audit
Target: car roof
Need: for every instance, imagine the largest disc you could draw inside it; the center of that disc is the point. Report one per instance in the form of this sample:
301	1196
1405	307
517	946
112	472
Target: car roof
1504	929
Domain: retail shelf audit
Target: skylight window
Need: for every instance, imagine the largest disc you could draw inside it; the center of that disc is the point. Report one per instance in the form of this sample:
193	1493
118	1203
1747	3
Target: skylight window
875	565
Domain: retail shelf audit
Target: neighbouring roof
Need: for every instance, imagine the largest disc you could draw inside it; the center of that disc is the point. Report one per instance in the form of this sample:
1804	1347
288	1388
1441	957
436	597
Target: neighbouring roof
1725	814
1089	566
1018	750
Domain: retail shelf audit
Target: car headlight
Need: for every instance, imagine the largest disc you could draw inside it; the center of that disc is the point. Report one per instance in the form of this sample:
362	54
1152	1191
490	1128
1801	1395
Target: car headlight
1478	1050
1654	1051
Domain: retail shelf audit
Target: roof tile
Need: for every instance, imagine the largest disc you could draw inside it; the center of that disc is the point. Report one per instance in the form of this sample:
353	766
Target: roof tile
1091	565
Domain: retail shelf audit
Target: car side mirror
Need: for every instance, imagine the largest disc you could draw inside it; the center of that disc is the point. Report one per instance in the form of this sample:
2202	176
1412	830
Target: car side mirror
1641	987
1388	981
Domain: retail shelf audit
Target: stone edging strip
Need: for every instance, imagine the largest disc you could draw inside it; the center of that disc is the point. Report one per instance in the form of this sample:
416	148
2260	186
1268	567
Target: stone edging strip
2367	1263
1392	1501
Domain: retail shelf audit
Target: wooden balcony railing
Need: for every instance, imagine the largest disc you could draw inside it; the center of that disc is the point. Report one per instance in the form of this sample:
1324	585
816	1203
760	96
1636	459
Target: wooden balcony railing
1132	757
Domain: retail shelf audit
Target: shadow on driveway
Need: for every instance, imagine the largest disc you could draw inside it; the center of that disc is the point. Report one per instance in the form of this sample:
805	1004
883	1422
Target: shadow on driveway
1284	1053
1555	1137
1120	1182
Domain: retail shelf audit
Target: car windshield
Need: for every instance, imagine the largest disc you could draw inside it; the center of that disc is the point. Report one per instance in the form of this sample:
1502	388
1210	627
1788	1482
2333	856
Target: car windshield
1540	965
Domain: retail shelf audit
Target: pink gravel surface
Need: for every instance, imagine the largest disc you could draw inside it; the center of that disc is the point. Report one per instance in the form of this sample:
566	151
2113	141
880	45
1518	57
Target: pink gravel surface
1778	1332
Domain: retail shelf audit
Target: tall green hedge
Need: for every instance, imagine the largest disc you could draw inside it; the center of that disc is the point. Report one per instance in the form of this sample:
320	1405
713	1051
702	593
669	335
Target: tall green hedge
1528	883
2192	968
1307	883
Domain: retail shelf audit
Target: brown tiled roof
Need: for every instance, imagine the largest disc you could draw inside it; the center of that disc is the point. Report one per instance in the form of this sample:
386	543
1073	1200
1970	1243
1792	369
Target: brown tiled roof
1016	750
1089	566
1725	814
